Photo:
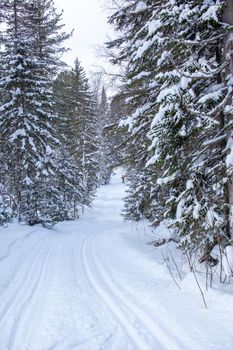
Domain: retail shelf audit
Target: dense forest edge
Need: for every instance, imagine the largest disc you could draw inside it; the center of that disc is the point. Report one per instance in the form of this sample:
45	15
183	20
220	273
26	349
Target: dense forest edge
169	124
54	149
176	61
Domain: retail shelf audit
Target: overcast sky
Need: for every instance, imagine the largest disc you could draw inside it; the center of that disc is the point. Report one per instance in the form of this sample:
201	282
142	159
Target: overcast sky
89	21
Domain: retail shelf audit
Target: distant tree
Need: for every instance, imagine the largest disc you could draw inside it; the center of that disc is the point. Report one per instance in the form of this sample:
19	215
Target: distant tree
78	106
104	150
118	110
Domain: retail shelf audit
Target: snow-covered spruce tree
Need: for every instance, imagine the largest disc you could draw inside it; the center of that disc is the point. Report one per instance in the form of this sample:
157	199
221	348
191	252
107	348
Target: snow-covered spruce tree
104	144
78	107
69	184
29	59
139	93
177	60
6	200
227	115
189	130
6	212
115	115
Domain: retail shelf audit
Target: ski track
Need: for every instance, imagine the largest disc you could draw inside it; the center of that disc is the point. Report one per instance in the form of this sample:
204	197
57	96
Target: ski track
162	339
119	292
17	291
13	244
16	270
29	293
139	327
116	310
71	288
24	286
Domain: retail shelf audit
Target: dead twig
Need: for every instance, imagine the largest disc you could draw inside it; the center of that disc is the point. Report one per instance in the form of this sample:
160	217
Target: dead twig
163	241
170	271
176	266
192	269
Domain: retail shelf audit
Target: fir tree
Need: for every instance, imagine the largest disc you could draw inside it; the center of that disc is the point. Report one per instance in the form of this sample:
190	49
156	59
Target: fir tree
29	60
118	109
139	97
104	158
77	105
179	90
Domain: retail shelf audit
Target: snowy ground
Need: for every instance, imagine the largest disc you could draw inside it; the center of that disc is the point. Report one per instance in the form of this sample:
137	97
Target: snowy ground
94	284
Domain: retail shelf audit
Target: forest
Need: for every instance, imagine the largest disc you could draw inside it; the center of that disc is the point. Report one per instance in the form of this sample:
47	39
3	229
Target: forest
177	94
116	185
54	151
168	124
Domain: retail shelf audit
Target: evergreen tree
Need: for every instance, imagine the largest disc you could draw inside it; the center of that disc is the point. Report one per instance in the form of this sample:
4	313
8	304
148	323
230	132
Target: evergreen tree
32	43
180	93
78	107
138	98
118	109
104	158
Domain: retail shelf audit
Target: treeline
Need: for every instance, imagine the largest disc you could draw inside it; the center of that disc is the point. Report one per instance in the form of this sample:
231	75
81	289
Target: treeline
177	92
53	148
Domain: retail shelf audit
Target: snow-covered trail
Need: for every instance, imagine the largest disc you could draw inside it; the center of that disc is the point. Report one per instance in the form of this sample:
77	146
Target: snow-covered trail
93	284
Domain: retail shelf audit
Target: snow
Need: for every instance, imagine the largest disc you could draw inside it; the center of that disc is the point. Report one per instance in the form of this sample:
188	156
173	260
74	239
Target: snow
229	158
28	180
189	184
129	121
161	114
164	56
196	209
141	6
165	180
153	159
140	76
211	14
180	209
18	133
48	150
215	96
96	284
171	90
153	26
141	49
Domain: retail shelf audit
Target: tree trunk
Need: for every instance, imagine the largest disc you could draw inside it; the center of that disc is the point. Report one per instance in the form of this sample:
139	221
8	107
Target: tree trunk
228	12
228	18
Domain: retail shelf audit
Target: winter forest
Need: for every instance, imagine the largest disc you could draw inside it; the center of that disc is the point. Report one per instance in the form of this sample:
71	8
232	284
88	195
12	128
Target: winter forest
53	147
117	181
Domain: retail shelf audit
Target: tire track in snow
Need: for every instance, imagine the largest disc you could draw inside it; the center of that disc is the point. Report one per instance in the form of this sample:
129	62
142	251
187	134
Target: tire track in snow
122	313
28	295
160	336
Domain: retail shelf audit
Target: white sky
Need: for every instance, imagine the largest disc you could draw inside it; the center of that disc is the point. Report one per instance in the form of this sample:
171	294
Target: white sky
89	21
